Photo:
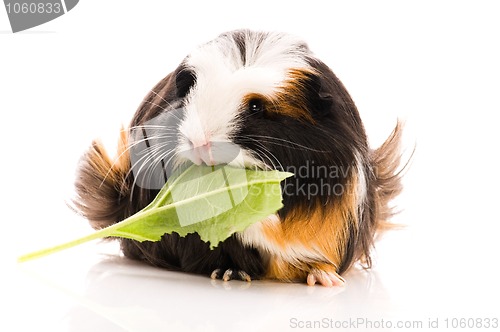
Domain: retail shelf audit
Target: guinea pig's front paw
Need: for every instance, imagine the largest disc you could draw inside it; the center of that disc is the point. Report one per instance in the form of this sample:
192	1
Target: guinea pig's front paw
325	277
230	274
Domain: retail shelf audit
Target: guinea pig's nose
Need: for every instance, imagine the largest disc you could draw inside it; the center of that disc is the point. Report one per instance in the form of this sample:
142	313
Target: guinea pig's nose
204	152
200	152
197	143
210	152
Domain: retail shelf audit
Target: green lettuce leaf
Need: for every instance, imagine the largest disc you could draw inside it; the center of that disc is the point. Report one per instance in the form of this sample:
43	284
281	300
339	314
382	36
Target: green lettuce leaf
214	202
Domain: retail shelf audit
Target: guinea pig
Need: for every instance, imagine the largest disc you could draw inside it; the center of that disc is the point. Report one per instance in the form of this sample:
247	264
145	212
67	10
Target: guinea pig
269	101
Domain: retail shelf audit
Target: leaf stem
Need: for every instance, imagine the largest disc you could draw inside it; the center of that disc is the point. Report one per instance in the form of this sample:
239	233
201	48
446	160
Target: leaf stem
50	250
100	234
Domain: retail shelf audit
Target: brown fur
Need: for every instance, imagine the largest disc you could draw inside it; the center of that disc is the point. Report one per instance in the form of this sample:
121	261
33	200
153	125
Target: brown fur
290	100
386	161
103	192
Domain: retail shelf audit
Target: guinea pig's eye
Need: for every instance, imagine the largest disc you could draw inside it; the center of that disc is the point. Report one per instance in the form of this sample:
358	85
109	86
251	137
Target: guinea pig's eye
255	105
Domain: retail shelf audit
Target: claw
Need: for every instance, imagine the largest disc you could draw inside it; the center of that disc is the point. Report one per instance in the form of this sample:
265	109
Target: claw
244	276
327	279
215	274
229	274
311	279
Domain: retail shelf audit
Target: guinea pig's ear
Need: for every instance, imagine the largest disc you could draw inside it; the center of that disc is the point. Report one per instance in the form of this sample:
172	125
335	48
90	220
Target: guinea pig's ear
320	100
329	93
319	94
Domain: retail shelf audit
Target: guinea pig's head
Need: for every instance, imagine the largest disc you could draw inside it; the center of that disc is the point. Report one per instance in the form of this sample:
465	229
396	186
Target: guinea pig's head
249	99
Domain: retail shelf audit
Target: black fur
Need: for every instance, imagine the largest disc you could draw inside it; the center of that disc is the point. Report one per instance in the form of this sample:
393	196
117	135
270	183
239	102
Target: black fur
190	254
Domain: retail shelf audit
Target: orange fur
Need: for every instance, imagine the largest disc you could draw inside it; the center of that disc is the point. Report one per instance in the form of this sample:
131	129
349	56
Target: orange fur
290	100
323	234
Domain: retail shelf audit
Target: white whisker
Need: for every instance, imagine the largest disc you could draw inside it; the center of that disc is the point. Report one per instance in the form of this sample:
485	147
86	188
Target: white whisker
168	103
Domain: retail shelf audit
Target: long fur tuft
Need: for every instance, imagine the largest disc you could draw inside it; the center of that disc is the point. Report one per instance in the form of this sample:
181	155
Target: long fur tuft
101	186
386	165
384	185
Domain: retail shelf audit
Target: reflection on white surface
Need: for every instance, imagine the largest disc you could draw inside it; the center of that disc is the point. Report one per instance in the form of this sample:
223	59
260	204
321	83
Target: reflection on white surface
117	294
95	288
416	280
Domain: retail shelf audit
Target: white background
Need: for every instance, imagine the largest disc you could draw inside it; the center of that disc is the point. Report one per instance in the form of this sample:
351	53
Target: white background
434	64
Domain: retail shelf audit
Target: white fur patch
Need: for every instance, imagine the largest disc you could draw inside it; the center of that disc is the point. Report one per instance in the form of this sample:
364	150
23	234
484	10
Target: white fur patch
361	190
223	80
